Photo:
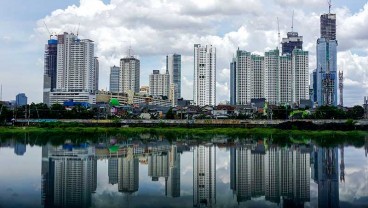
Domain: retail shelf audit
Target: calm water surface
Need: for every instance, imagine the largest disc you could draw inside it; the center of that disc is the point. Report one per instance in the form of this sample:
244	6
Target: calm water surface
161	172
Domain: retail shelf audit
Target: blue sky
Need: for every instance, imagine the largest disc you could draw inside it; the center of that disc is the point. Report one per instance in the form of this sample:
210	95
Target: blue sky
158	27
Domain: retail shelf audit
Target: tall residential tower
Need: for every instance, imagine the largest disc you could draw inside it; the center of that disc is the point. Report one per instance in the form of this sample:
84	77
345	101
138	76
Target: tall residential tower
204	87
173	67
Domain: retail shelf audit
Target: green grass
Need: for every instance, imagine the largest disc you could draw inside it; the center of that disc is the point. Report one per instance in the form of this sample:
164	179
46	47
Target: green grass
181	131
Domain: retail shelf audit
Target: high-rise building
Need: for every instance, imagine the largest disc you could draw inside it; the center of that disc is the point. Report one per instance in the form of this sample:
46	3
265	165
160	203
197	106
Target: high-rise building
325	82
129	75
50	69
77	70
285	76
204	176
243	77
173	67
279	79
114	79
233	82
204	87
21	99
326	61
95	75
328	26
271	76
300	76
257	68
293	41
159	84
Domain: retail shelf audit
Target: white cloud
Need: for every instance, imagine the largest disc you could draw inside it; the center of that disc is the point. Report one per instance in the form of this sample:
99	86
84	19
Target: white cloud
155	28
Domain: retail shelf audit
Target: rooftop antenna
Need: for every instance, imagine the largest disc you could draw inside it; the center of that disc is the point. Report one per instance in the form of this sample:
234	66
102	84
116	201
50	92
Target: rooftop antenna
329	6
1	93
292	22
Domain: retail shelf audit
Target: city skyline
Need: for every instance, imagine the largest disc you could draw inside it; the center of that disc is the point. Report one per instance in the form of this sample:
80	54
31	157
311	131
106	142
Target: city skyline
206	23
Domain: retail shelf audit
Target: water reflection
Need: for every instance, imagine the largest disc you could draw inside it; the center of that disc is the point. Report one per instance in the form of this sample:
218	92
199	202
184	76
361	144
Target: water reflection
221	172
280	174
325	174
69	175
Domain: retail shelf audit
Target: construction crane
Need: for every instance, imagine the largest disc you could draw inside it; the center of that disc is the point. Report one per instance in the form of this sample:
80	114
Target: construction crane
278	33
292	22
341	87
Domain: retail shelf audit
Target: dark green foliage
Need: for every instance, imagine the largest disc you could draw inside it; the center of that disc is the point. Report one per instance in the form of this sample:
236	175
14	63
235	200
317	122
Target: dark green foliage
170	114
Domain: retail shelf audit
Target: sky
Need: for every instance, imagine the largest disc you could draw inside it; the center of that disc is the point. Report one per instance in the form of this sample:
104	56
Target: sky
155	28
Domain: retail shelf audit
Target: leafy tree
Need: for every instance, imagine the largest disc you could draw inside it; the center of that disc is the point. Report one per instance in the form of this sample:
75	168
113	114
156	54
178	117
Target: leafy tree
356	112
170	114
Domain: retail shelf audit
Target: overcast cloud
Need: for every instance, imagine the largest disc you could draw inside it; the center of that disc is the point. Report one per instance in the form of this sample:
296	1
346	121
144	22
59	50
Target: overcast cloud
154	28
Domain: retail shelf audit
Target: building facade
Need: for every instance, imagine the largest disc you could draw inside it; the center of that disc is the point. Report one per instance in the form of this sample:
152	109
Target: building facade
173	67
300	76
21	99
271	76
204	82
293	41
204	176
114	79
50	69
159	84
279	79
326	71
129	75
70	67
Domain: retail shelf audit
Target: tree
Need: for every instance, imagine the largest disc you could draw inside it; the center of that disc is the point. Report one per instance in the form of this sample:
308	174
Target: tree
357	112
170	114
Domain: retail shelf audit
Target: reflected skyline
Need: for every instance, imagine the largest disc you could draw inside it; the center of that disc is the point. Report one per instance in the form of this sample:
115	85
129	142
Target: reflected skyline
204	175
69	175
220	173
279	174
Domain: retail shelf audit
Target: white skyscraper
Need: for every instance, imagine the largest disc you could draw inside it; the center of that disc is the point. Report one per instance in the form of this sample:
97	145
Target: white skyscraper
76	64
271	76
159	84
77	71
204	87
129	75
300	76
204	175
279	79
285	84
243	77
258	73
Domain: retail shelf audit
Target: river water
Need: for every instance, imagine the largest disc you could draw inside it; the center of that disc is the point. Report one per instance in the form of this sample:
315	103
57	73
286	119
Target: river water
153	171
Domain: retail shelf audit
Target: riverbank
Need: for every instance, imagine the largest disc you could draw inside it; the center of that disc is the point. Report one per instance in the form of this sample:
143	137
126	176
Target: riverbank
179	131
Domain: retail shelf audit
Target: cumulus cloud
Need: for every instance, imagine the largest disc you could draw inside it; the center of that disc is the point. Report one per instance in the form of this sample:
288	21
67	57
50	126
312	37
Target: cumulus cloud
155	28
